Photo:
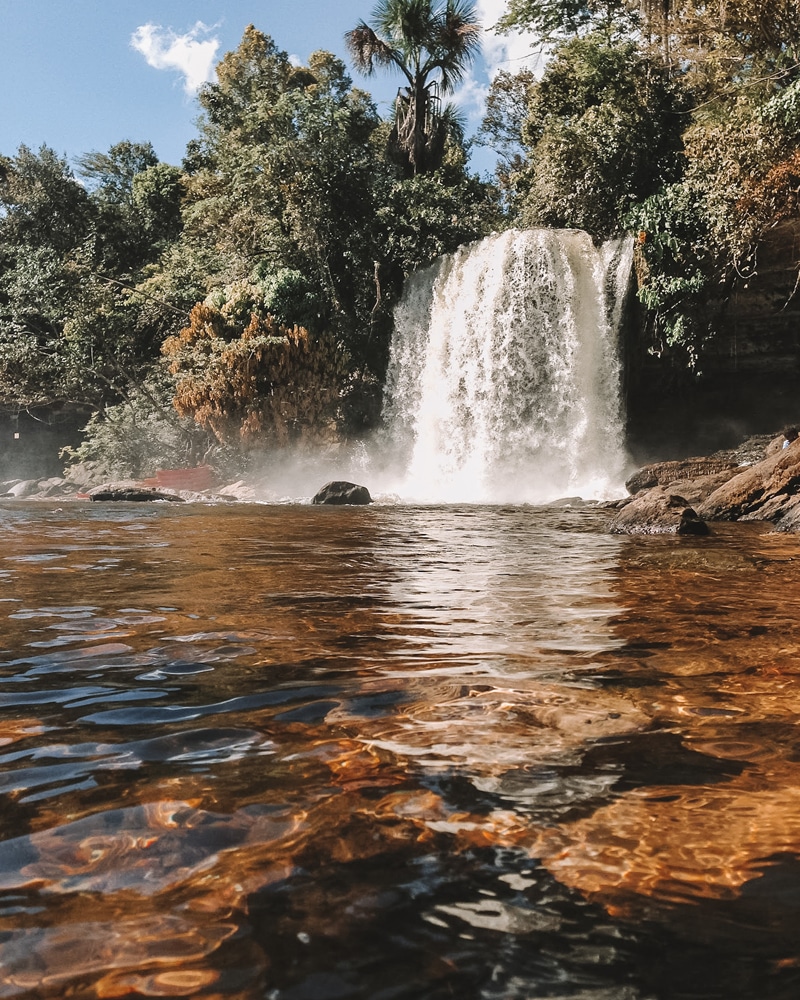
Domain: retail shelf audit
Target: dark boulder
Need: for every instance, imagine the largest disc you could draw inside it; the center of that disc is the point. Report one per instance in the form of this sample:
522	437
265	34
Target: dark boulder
133	494
341	493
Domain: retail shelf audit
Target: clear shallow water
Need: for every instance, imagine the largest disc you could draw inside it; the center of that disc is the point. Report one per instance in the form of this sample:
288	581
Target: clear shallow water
395	752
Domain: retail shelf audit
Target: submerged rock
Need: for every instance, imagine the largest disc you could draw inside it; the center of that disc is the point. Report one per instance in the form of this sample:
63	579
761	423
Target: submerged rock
341	493
657	511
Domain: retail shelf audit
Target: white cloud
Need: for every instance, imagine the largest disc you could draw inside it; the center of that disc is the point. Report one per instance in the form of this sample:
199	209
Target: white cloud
193	54
511	52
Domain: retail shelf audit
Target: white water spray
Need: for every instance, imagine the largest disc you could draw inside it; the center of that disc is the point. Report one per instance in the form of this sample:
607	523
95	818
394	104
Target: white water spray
504	377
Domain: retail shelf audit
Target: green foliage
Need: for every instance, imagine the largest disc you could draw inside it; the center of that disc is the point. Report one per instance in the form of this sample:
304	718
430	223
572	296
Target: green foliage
44	221
555	20
112	174
68	259
290	297
501	128
41	204
134	438
156	195
290	176
675	268
602	133
424	217
70	329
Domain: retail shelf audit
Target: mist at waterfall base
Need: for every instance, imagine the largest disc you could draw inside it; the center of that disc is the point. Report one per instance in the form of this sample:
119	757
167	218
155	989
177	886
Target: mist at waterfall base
504	378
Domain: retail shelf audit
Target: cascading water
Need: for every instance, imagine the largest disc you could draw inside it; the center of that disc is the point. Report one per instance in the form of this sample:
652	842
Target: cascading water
503	383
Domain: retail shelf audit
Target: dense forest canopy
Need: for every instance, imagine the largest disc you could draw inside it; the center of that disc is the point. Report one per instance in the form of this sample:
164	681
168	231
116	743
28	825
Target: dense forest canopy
246	294
675	120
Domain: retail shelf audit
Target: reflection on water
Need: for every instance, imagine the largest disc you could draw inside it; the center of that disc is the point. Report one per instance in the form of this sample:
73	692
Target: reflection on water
394	752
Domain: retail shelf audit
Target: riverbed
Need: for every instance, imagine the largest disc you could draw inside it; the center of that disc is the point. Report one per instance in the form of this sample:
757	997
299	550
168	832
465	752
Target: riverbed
395	753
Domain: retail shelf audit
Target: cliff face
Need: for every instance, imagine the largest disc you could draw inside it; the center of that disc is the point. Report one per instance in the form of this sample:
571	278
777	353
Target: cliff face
749	372
761	318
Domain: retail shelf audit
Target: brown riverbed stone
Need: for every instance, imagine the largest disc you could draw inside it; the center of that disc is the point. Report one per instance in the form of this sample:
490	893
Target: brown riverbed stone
658	511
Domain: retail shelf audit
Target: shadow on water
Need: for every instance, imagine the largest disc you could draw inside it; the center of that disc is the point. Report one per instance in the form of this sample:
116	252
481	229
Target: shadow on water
396	752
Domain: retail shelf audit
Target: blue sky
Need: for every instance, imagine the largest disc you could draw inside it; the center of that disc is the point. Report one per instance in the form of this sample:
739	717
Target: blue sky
80	75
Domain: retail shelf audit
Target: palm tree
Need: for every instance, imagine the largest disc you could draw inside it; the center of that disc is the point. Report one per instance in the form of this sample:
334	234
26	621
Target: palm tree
432	44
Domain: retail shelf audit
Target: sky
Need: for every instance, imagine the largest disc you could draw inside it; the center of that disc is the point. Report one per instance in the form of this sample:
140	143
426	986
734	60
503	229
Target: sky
80	75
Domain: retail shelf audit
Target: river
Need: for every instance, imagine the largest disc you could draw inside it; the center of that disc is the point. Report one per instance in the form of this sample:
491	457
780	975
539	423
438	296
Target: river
395	753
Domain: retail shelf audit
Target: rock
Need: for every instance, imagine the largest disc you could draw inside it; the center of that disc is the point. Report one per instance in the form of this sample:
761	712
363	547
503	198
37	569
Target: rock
692	524
569	502
133	493
790	520
55	487
239	490
775	446
657	511
753	449
341	493
766	491
683	496
24	488
686	470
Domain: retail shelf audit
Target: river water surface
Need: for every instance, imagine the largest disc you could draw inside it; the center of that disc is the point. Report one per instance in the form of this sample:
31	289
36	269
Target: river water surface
395	753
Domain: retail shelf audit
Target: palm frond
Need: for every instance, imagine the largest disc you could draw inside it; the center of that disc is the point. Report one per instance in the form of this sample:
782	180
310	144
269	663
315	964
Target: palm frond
407	23
455	43
367	50
454	120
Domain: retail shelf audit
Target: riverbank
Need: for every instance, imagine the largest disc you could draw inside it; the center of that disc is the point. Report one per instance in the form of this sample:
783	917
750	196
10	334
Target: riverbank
758	481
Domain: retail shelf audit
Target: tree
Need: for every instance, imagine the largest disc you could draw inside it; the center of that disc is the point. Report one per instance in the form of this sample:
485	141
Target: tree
501	128
112	173
137	205
136	437
557	20
603	131
41	203
287	171
432	45
69	331
45	221
702	235
248	379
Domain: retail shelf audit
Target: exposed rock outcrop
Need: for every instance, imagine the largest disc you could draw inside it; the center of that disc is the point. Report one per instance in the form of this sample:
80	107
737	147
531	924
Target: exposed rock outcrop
687	470
715	489
658	511
766	491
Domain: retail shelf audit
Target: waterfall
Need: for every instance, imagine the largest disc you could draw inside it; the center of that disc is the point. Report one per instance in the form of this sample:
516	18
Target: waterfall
504	376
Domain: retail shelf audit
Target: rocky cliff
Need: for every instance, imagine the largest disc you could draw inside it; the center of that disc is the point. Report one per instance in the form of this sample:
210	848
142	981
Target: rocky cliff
747	380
